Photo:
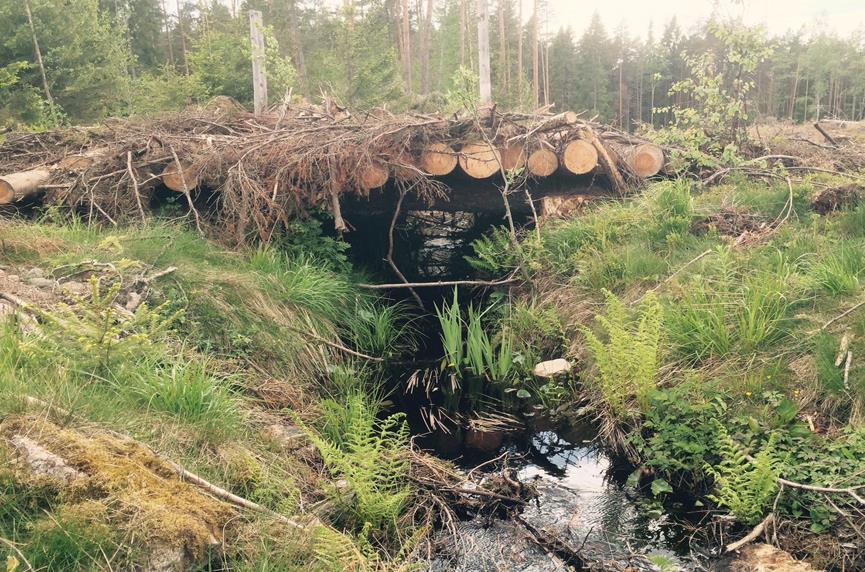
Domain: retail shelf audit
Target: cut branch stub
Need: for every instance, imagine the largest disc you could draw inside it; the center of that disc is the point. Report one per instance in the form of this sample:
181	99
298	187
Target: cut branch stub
479	160
438	159
174	179
543	163
580	157
16	186
372	176
513	157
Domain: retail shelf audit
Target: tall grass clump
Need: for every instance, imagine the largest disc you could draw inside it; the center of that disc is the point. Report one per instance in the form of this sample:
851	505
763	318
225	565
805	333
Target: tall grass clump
840	271
380	329
852	222
451	322
672	209
185	390
628	355
697	325
764	314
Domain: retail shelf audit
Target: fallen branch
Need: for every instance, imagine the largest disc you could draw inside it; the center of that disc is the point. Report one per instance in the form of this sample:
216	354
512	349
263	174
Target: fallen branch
334	345
842	315
439	284
751	536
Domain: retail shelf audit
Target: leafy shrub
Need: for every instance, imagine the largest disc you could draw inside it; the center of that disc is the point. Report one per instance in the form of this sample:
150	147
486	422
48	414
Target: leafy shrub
306	237
682	435
746	486
628	357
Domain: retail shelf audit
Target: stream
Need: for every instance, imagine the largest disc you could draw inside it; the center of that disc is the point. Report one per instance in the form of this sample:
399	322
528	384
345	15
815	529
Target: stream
584	498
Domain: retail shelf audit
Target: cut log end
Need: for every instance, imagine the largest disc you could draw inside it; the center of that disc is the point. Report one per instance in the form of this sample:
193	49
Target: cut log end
646	160
543	163
372	176
580	157
480	160
513	157
7	193
174	179
438	160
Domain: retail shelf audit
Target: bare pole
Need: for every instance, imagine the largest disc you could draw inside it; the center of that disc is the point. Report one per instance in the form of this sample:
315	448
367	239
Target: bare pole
38	53
484	52
259	74
536	42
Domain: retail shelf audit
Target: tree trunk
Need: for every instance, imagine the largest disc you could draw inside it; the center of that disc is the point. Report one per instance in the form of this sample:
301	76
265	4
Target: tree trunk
406	44
503	52
520	51
168	40
372	176
643	160
536	40
179	181
463	18
297	47
180	19
486	93
38	53
427	40
513	157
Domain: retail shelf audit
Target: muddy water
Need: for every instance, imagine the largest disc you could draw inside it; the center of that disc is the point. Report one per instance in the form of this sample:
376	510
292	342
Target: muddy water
585	503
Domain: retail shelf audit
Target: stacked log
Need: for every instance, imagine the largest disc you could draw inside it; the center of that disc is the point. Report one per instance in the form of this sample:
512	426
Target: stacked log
438	159
267	166
580	157
543	162
480	160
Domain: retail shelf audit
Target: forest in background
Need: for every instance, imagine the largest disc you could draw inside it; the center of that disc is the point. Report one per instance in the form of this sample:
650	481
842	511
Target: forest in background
83	60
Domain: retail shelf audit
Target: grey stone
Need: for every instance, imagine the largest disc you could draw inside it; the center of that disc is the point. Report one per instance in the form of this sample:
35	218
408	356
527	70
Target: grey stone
43	462
35	272
552	368
42	282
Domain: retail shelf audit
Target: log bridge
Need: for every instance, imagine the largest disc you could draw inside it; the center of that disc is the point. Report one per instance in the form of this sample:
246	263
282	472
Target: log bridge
259	170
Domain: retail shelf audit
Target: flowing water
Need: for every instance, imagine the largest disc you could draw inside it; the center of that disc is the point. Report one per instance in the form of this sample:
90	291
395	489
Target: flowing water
584	498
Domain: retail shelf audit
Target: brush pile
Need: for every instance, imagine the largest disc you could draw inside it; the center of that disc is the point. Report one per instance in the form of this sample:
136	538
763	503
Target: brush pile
263	170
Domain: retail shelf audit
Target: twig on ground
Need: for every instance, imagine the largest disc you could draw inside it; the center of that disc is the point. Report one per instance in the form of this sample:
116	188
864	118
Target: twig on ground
751	536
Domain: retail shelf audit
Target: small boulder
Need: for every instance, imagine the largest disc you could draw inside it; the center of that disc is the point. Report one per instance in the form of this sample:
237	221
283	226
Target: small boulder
41	282
35	272
552	368
43	462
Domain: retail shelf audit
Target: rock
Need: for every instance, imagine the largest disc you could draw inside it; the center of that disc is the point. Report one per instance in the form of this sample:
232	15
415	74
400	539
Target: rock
35	272
552	368
133	300
289	438
77	288
13	278
41	282
43	462
762	558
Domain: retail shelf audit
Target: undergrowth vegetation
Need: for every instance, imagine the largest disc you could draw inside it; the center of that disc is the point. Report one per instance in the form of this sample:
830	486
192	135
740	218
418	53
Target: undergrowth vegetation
714	339
201	363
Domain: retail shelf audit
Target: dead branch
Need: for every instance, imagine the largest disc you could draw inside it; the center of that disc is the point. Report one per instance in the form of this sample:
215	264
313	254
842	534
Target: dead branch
751	536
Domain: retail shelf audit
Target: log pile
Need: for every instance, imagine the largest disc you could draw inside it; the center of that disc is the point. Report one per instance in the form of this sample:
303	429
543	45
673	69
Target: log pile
264	169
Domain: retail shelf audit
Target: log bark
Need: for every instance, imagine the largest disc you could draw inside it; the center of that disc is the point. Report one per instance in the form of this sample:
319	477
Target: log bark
16	186
438	159
543	163
579	157
479	160
174	179
372	176
513	157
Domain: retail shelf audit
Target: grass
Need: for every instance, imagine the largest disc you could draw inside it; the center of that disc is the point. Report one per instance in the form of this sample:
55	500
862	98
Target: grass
839	271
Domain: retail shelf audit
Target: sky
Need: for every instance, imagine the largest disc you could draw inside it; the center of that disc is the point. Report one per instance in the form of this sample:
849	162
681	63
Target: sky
779	16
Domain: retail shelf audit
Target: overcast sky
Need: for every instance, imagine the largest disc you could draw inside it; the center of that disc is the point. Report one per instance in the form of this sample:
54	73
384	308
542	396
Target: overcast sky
779	16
